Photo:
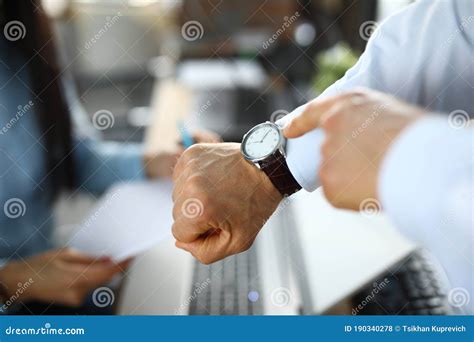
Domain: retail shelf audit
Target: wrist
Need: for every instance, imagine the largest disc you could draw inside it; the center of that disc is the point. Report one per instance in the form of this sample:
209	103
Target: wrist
269	188
263	182
151	165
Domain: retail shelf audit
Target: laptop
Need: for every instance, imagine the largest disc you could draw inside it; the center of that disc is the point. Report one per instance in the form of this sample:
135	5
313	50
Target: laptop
260	281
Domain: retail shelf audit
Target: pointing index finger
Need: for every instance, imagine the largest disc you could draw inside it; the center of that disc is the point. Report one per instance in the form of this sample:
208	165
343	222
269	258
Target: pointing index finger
310	118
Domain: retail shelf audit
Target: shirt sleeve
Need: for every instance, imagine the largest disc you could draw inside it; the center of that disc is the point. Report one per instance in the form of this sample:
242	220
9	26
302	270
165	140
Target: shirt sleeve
426	188
101	164
394	62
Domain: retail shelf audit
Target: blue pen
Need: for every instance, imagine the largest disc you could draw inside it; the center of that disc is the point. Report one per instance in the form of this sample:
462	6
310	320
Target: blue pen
186	138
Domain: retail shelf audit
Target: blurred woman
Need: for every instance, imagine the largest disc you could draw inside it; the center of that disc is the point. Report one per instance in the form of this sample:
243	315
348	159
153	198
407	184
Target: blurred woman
41	154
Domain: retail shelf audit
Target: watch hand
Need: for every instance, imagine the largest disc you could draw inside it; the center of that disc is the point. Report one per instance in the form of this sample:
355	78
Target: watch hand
265	135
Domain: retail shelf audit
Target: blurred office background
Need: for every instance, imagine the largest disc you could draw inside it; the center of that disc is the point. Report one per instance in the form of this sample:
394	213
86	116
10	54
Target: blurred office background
116	50
244	61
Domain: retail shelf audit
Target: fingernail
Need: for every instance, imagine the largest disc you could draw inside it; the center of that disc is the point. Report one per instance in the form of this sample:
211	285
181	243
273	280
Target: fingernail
106	260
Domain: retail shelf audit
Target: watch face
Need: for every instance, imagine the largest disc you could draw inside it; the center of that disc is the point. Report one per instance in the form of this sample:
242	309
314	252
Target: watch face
261	141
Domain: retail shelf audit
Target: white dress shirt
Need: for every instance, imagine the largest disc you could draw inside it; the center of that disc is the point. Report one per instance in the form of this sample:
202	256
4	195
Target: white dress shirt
422	54
426	188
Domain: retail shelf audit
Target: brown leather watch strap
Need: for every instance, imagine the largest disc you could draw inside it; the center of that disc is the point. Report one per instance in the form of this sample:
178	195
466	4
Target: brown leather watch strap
280	175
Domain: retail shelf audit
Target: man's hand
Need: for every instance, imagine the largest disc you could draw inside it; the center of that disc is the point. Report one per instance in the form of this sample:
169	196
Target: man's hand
359	128
221	201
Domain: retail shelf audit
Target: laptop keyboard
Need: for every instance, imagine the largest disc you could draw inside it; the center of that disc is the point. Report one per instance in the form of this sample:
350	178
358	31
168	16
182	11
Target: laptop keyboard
227	287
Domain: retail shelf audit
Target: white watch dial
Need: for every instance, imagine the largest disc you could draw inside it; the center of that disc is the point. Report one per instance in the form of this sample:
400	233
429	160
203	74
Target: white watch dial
262	141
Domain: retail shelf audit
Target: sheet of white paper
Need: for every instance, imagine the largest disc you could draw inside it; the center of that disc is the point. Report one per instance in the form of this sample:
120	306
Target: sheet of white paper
129	219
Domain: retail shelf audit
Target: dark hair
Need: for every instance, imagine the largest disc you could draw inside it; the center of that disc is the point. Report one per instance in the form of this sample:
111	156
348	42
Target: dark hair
52	111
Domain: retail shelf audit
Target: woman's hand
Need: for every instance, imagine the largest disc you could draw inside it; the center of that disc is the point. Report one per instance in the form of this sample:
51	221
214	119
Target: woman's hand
60	276
161	165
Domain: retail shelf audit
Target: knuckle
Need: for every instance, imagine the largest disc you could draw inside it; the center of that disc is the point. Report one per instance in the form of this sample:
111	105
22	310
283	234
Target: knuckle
177	171
338	204
323	175
207	209
194	185
242	244
329	194
333	120
245	246
355	92
331	191
204	217
186	156
360	91
176	211
193	151
340	109
192	163
311	107
175	231
205	259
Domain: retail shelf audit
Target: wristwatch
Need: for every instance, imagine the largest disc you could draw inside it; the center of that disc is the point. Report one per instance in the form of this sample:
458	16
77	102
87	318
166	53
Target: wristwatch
264	146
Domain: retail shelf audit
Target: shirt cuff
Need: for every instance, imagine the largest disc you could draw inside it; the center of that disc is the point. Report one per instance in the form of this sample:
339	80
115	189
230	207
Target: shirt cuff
303	153
102	164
